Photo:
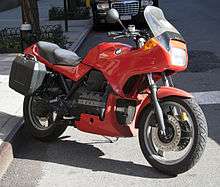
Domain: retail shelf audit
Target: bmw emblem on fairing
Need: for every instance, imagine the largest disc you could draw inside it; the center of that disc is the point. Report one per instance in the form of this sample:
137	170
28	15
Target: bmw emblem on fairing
118	51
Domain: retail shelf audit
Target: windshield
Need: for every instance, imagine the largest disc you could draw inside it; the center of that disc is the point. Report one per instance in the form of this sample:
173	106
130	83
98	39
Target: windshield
157	22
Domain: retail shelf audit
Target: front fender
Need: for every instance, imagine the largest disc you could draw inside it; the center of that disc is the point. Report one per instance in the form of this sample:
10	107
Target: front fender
163	92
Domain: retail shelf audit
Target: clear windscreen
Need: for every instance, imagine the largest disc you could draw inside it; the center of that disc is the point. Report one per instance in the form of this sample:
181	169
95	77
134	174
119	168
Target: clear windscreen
157	22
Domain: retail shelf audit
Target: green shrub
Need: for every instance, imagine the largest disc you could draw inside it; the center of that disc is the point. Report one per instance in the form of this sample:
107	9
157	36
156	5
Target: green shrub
10	42
53	34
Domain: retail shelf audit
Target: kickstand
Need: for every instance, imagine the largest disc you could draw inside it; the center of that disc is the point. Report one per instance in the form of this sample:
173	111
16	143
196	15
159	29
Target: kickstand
111	140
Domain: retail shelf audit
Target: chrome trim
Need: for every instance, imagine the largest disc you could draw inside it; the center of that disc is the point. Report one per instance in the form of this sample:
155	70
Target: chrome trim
127	7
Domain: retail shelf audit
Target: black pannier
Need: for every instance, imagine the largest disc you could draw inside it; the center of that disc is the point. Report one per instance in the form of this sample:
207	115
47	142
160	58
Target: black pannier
26	75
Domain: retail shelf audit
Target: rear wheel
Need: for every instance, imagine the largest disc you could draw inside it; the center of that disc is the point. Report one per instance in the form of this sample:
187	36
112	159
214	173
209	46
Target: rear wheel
39	120
186	136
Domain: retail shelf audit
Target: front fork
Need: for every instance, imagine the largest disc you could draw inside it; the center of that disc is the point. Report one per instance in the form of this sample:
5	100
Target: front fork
157	108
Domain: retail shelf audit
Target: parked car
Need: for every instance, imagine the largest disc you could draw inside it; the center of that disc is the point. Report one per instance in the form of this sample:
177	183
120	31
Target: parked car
129	10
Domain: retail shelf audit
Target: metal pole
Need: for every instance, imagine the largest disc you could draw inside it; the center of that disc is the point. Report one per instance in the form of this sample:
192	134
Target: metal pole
65	15
22	11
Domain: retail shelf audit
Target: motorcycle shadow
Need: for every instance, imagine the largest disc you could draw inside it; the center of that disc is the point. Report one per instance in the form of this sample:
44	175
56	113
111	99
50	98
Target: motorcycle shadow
80	155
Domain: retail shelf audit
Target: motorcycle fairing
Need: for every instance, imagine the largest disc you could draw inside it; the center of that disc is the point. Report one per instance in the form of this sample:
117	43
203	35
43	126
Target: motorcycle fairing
109	126
118	68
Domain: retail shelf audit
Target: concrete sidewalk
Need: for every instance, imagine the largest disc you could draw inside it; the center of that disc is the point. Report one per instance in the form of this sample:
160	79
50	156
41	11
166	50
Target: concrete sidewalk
10	112
78	30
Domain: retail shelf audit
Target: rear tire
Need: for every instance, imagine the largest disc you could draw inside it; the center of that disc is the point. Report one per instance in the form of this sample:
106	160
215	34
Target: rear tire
46	135
198	145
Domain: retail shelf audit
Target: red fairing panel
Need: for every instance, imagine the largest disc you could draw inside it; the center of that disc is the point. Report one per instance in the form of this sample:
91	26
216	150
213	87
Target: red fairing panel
118	68
73	73
108	127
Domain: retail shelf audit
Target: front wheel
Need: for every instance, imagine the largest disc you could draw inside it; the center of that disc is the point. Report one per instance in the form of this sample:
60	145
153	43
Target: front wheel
39	120
186	130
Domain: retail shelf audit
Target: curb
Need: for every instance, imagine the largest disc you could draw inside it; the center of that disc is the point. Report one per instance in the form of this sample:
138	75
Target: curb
9	145
6	157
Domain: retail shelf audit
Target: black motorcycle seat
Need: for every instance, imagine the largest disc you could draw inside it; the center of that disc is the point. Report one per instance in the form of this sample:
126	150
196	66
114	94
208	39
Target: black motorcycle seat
66	58
56	55
46	50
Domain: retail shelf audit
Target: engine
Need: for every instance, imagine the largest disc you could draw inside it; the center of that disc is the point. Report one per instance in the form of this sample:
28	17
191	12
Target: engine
92	96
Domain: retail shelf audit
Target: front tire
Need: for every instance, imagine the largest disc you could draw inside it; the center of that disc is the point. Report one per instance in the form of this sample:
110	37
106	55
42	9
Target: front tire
192	156
46	134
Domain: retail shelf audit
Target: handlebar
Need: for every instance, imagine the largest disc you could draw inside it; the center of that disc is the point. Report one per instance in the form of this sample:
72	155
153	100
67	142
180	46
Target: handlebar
126	34
120	36
137	35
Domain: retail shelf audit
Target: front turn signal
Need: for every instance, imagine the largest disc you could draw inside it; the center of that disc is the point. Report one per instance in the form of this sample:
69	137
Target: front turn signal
150	44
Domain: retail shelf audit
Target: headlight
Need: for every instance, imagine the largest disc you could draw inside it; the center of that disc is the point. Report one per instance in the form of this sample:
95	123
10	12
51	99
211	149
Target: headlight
147	3
178	56
102	6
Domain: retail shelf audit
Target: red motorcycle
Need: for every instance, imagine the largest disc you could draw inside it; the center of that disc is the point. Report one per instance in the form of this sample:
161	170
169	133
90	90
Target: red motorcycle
114	92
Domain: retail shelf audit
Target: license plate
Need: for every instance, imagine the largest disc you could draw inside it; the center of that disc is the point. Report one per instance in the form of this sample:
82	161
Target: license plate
126	17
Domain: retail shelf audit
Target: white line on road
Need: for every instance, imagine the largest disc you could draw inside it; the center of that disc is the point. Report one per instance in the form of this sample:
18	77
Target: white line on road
207	98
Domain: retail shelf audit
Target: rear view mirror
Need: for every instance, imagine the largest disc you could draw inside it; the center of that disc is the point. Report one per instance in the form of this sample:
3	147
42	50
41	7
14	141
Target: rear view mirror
112	16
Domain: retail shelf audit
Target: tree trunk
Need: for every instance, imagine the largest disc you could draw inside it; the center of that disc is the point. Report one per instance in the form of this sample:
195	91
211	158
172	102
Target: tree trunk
30	14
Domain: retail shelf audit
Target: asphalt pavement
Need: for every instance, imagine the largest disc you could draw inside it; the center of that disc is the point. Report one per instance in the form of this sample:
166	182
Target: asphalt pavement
80	159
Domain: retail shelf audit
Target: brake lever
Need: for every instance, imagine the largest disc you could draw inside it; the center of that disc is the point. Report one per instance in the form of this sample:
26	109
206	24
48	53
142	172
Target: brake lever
121	36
